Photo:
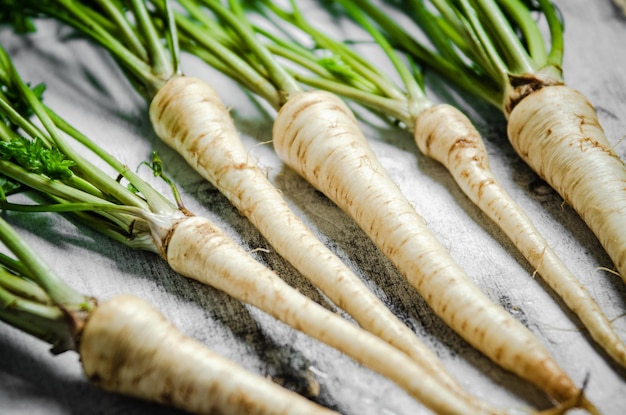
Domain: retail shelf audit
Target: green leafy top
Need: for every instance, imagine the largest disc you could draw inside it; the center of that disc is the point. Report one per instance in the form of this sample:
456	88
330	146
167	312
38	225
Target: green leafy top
38	156
498	50
269	61
222	36
140	35
34	299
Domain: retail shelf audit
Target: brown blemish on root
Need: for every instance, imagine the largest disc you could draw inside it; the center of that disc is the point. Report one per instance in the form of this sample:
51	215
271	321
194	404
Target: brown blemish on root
95	378
484	183
429	142
165	241
523	86
459	144
163	104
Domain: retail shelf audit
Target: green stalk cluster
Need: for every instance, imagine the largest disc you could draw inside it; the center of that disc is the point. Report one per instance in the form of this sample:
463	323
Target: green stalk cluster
34	299
143	41
482	46
37	157
269	65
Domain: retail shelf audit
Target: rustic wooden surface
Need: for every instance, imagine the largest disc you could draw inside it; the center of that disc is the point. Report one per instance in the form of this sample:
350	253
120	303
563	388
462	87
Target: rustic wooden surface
84	86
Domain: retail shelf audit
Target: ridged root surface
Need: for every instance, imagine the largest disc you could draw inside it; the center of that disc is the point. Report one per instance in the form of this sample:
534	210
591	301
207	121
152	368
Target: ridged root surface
317	135
128	347
189	116
199	250
555	130
447	135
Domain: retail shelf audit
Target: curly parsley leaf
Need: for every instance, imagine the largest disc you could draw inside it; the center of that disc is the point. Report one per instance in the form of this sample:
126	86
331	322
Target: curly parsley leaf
34	156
